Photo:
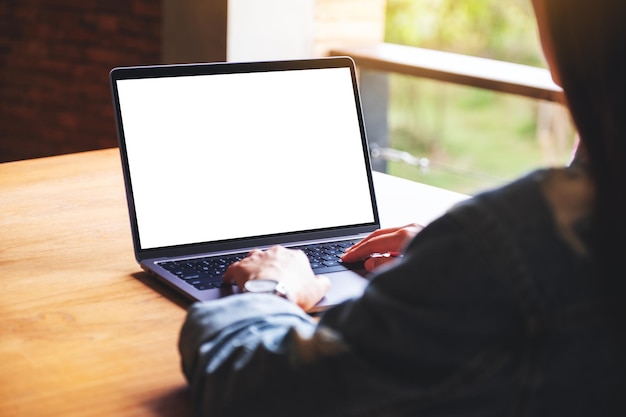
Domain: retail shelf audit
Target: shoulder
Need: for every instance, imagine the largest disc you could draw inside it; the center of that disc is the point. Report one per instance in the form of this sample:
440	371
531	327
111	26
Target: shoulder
569	194
555	202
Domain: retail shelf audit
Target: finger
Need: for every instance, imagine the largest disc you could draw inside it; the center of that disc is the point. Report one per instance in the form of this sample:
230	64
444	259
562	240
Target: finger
373	263
324	284
378	244
235	279
310	299
381	233
392	239
372	235
229	275
388	230
254	253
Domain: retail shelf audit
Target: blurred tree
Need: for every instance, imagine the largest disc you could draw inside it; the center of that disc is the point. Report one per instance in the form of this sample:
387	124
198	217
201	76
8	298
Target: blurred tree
474	138
497	29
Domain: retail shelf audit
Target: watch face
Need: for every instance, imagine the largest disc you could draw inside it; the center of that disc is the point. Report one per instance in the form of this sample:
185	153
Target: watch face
260	285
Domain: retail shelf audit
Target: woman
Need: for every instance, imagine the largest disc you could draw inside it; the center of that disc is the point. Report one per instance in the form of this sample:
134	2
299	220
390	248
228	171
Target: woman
509	304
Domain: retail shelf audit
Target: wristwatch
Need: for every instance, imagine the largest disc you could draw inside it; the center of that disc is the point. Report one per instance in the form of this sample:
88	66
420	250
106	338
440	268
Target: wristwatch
266	286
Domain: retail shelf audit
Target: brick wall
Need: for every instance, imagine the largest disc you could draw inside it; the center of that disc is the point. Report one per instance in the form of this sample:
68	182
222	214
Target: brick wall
55	56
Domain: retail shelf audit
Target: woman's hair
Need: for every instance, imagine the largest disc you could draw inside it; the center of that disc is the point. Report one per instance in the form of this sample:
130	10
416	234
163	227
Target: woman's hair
588	40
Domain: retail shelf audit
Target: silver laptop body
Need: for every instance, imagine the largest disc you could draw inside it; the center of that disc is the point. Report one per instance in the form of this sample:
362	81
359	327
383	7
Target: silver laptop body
221	158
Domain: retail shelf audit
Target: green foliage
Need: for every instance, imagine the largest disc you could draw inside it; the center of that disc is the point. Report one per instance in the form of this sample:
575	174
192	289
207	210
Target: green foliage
474	138
495	29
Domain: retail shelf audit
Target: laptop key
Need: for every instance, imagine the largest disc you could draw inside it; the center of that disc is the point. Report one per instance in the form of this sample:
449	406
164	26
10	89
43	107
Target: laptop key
223	284
206	273
203	287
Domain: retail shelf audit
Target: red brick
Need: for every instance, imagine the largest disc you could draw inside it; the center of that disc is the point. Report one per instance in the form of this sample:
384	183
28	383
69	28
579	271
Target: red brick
55	56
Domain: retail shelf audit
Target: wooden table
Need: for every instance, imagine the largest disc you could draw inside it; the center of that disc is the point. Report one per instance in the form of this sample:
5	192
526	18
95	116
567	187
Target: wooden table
82	331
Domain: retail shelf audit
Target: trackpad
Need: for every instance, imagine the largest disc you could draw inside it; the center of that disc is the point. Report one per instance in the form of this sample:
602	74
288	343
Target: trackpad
343	285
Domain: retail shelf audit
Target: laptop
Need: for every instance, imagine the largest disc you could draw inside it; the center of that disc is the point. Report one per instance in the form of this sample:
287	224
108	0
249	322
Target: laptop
222	158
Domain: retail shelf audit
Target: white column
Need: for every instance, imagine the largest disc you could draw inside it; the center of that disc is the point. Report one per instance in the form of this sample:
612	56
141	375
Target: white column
270	29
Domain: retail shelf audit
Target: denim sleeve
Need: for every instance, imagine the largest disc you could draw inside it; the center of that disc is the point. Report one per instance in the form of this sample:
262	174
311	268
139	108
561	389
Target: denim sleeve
254	354
425	335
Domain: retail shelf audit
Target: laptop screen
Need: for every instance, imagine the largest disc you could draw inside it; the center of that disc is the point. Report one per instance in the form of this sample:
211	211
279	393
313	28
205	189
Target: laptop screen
226	156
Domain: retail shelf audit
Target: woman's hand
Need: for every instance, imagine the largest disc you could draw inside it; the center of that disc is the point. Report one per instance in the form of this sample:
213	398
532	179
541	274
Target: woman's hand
289	267
384	241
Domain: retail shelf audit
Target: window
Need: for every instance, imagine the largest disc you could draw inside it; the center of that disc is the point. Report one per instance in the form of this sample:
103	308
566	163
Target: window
472	138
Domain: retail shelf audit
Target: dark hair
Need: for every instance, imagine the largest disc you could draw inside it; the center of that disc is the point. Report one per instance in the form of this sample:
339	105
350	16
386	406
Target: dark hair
589	45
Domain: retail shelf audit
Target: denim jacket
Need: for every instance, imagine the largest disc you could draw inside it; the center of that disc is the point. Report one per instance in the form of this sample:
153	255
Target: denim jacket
494	310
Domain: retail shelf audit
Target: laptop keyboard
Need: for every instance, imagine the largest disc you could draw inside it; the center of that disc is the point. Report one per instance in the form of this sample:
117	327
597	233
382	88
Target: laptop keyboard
206	273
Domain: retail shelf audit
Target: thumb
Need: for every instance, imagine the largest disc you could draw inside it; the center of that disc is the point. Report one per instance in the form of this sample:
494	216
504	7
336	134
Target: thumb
323	284
307	300
373	263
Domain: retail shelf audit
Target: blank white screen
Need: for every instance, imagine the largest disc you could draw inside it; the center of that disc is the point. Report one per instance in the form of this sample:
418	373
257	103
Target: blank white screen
215	157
